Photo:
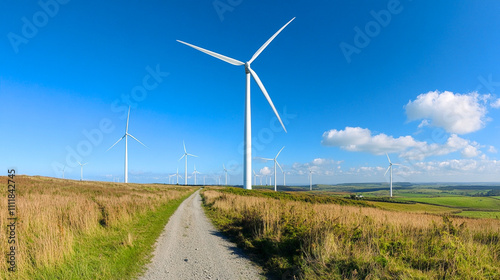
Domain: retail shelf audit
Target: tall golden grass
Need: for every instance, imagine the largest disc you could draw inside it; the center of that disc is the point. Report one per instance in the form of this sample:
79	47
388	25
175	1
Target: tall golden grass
53	212
329	241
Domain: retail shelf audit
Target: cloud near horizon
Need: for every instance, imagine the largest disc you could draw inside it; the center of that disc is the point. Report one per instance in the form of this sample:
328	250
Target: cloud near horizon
357	139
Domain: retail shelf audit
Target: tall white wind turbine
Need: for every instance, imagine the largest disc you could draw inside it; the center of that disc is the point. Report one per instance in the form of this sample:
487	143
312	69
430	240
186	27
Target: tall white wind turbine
275	159
247	161
81	169
390	167
126	135
185	155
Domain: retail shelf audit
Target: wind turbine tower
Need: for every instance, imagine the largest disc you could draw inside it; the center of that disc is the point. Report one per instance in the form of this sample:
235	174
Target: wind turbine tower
390	167
275	159
81	169
185	155
126	135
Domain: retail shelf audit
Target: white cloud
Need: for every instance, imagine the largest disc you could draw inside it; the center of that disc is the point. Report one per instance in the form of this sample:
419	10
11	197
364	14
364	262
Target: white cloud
470	151
496	104
357	139
492	150
454	143
319	166
456	113
265	171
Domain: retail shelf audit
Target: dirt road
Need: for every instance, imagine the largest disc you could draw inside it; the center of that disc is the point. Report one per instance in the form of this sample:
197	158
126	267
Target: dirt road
191	248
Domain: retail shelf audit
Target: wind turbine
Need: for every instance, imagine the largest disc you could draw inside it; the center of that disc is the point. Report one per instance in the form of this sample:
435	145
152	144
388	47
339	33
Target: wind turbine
225	171
62	170
310	180
126	145
275	163
390	167
170	176
247	157
186	164
178	175
254	178
195	172
81	169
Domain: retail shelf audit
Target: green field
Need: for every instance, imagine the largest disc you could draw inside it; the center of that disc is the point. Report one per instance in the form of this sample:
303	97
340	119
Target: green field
480	214
414	208
464	202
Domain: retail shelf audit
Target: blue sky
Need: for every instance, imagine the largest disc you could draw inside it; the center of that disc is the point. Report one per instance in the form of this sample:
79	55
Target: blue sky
351	79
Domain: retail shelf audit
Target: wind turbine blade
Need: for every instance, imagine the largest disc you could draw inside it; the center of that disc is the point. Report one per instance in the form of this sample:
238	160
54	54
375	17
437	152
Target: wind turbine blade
191	155
137	140
267	42
214	54
279	152
254	173
183	144
85	163
387	170
388	158
279	166
116	142
264	91
182	158
263	158
128	116
79	163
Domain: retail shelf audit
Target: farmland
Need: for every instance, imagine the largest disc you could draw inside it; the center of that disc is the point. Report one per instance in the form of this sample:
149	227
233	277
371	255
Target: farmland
85	230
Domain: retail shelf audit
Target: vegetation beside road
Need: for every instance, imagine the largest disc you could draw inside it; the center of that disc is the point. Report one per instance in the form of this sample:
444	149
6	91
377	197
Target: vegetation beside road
86	230
316	240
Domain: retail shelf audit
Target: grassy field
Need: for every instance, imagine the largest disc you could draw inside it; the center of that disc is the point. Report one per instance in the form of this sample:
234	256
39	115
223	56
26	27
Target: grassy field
486	203
313	239
415	208
85	230
480	214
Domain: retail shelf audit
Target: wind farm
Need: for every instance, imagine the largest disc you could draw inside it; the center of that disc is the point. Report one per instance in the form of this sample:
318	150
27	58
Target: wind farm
391	166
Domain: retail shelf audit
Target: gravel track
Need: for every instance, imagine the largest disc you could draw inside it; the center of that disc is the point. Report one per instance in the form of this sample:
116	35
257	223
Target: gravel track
191	248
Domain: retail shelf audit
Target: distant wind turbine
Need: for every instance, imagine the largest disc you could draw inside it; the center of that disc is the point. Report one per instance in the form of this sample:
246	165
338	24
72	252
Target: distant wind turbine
195	172
178	175
275	159
225	171
170	176
254	178
185	155
390	167
81	169
310	180
62	170
247	162
126	145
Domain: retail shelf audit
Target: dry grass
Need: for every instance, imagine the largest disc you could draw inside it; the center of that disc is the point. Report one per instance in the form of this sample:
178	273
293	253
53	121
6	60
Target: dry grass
52	213
328	241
